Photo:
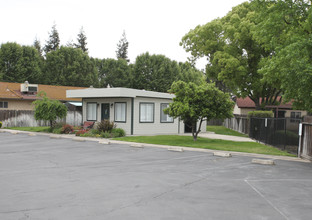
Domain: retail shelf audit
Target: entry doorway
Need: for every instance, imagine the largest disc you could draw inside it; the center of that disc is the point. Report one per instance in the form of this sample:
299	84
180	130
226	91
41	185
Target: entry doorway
105	111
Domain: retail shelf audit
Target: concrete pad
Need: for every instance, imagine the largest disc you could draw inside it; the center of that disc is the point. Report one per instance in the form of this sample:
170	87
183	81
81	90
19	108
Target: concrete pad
104	142
79	139
55	137
222	154
32	134
137	145
14	132
176	149
264	162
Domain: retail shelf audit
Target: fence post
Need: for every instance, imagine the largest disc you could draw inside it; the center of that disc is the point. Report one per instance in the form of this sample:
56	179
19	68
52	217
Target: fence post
300	140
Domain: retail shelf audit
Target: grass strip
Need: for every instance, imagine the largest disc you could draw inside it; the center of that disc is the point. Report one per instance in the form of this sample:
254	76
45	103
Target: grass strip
206	143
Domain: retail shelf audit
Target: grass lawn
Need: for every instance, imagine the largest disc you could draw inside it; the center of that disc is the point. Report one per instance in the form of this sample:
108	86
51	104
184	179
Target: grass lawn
225	131
35	129
206	143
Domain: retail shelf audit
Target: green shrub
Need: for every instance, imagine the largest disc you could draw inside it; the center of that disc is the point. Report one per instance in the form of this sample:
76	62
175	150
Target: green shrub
106	135
105	126
94	131
57	130
67	129
118	132
260	114
0	124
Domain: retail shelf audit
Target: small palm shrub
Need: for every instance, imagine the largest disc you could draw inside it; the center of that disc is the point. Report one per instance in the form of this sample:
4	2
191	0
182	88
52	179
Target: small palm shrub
105	126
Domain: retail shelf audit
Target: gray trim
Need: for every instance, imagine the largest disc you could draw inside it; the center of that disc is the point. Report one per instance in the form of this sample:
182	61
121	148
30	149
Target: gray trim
153	112
125	121
166	114
132	114
96	114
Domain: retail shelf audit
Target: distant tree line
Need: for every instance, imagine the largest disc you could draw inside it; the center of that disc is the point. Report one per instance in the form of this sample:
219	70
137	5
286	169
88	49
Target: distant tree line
70	65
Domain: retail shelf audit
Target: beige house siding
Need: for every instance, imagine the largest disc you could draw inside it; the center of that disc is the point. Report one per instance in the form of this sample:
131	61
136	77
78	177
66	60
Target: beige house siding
139	128
18	104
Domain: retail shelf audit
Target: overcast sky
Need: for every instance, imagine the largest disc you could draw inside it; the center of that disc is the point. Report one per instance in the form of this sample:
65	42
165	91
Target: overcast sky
156	27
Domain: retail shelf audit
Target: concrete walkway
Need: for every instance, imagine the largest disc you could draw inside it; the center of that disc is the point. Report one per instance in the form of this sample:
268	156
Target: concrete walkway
212	135
109	141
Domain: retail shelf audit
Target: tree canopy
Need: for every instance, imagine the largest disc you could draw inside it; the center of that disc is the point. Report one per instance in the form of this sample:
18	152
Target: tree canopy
49	110
197	103
19	63
71	67
284	28
233	55
116	73
154	72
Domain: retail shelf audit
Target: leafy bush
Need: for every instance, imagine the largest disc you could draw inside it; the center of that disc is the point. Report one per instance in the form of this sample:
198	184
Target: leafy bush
94	131
106	135
260	114
67	129
105	126
0	124
118	132
57	130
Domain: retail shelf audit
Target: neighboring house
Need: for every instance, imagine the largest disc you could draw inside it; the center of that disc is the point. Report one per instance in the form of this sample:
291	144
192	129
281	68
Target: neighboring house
284	110
19	96
136	111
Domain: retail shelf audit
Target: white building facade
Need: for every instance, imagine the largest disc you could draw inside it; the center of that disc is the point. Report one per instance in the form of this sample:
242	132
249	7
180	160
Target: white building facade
138	112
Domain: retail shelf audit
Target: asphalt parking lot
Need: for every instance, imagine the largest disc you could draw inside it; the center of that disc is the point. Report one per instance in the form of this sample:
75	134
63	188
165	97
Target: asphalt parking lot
43	178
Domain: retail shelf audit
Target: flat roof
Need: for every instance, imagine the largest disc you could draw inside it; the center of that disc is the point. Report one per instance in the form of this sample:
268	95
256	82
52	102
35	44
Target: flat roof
115	92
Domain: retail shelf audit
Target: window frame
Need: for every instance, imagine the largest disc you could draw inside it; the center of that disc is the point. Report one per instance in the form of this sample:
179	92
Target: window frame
4	104
151	103
125	121
96	113
161	112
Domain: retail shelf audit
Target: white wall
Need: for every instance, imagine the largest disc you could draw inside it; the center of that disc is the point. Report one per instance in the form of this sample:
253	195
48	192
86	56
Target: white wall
157	127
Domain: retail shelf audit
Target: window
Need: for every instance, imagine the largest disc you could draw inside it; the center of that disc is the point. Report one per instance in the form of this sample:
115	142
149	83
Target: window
294	116
147	112
3	104
164	118
120	111
91	111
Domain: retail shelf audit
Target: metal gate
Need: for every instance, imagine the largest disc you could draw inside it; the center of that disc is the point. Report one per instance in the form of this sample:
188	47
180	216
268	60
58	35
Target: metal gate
305	141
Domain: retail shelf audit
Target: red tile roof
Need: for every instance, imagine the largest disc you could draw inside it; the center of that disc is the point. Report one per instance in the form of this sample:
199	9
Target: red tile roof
248	103
13	91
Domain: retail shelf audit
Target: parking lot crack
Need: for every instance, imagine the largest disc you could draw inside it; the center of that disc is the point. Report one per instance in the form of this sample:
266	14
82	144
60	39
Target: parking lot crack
267	200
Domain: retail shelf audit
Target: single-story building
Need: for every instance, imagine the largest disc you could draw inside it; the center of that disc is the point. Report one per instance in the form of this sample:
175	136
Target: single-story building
138	112
284	110
19	96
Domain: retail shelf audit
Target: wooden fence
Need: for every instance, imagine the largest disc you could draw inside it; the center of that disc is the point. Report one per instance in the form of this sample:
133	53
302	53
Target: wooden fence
305	142
25	118
238	123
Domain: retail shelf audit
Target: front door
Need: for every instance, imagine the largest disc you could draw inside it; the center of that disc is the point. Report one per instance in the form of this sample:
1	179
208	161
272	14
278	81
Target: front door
105	111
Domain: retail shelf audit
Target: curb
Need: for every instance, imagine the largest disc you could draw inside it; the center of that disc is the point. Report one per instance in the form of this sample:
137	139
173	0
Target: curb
142	145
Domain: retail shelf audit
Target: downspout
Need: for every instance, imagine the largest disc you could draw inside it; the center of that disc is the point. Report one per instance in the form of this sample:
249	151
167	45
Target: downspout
132	114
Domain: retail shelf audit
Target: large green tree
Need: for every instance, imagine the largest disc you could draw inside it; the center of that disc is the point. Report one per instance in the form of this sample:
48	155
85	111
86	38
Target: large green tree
116	73
233	55
19	63
122	48
53	43
49	110
82	41
196	103
188	73
71	67
154	72
284	28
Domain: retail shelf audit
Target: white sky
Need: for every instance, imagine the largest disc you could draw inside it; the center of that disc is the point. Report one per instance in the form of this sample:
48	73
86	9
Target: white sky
156	27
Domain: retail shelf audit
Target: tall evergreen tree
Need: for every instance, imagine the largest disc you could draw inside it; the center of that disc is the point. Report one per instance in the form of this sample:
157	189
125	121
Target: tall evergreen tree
37	45
54	41
82	41
122	48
